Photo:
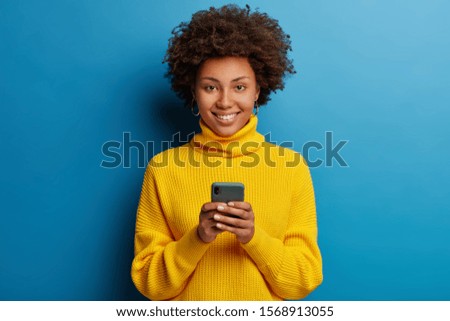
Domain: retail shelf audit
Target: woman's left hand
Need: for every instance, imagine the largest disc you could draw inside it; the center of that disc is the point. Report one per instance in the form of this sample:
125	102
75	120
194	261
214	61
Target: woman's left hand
237	218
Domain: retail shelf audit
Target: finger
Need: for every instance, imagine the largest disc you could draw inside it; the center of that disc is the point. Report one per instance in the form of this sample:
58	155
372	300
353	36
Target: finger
214	230
230	221
210	225
229	228
208	216
211	206
236	212
242	205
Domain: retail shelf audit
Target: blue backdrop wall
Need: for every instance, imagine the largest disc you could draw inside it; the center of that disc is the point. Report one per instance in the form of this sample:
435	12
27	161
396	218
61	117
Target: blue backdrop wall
75	75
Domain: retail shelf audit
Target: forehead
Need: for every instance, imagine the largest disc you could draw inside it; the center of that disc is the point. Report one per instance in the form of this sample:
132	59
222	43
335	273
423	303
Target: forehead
226	69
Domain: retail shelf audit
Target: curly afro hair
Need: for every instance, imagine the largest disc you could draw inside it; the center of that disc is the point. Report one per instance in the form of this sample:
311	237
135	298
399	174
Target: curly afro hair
229	31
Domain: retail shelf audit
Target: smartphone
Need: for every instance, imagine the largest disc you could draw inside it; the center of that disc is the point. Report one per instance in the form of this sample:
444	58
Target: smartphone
227	192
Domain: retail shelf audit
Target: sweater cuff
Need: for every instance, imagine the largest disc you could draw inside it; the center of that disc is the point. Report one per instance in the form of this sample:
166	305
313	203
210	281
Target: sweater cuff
264	249
191	248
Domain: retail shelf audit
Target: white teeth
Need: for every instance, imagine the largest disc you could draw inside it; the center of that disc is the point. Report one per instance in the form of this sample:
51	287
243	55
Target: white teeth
226	117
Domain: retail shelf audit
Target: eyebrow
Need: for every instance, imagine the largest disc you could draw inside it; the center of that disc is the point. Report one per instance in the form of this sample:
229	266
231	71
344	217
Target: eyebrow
216	80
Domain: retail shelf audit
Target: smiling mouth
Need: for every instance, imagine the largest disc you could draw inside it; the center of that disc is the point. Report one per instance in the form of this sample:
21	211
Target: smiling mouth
227	117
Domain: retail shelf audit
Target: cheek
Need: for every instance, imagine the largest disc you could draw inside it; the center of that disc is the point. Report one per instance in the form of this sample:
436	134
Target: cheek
247	102
204	101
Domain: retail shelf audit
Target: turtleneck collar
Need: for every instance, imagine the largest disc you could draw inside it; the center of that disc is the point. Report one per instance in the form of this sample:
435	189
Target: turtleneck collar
245	141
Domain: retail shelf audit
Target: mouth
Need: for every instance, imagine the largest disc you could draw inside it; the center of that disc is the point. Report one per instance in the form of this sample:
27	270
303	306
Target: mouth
225	117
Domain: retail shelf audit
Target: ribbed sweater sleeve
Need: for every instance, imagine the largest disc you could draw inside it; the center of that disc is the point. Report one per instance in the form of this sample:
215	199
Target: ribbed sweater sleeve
162	265
292	266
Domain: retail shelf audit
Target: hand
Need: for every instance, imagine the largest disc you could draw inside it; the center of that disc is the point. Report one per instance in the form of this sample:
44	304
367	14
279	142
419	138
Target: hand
206	229
237	218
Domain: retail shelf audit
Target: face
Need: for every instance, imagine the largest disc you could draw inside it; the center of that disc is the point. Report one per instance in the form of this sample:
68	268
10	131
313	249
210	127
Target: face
226	91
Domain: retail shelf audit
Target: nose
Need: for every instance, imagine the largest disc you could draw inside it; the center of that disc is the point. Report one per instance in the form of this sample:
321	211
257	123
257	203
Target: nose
225	100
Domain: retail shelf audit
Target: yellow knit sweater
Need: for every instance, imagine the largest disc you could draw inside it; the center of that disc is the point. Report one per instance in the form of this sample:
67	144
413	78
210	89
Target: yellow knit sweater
282	261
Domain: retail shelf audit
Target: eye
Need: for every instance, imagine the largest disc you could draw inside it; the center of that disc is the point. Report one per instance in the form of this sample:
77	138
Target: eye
210	88
240	87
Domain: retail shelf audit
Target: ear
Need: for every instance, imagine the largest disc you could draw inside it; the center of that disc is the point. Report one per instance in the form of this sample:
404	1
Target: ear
257	92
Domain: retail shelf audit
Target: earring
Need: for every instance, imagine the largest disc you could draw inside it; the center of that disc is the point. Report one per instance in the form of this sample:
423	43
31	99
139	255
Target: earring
192	108
256	108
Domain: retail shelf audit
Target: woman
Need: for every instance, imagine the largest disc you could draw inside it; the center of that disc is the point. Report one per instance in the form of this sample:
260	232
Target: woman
227	61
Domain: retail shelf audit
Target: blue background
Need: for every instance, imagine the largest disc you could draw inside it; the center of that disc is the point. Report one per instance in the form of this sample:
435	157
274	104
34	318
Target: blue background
76	74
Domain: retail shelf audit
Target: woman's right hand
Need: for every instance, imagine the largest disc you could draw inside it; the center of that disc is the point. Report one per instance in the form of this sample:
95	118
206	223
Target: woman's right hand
207	230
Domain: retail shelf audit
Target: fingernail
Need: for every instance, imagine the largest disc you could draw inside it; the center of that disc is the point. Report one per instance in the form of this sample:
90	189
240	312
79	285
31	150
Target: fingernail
230	203
219	226
220	207
217	217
